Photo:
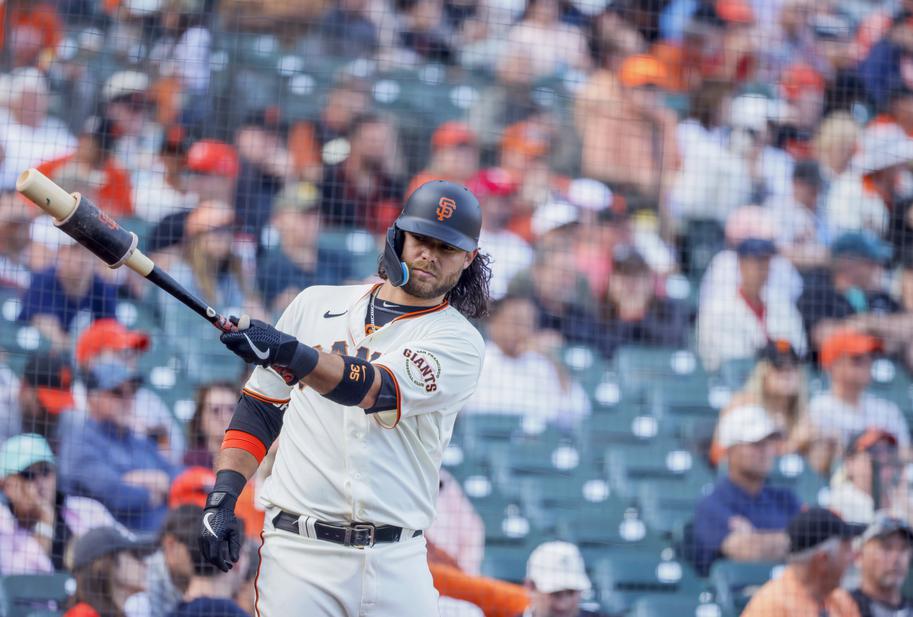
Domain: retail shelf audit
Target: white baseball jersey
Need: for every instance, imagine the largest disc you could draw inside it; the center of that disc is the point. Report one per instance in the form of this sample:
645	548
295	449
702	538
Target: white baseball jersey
339	464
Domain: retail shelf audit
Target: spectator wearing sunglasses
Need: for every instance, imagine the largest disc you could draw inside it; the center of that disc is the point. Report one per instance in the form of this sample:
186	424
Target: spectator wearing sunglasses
106	459
38	520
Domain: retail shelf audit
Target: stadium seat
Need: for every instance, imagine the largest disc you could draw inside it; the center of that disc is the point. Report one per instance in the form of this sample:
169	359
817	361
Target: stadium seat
23	594
19	342
641	368
636	574
735	582
734	373
508	563
628	465
585	365
597	528
792	471
679	605
543	455
667	504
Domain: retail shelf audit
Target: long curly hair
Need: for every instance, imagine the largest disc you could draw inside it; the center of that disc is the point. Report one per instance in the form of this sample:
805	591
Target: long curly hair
470	296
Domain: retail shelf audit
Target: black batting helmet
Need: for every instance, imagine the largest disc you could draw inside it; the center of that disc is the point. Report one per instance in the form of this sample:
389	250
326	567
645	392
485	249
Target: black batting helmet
438	209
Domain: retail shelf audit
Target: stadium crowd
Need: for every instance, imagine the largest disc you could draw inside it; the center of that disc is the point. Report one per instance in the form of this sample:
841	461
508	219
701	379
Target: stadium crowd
729	182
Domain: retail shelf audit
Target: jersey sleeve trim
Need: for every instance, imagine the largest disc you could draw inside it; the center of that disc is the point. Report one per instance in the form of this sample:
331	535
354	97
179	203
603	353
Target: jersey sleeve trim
246	442
264	399
399	398
432	309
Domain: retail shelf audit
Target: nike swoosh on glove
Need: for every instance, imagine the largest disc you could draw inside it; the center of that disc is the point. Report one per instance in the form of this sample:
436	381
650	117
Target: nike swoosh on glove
220	532
261	344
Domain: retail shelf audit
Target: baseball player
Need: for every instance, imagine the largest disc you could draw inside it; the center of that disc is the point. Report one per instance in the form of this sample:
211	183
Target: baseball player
362	385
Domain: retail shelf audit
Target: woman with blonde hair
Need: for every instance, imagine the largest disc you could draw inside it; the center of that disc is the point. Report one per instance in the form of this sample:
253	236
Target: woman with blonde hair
835	144
209	268
778	384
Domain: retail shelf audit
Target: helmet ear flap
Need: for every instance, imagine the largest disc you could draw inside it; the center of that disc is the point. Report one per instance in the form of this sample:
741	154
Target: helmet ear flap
397	270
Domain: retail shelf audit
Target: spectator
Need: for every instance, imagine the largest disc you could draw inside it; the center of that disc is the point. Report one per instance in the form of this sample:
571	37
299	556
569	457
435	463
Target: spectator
265	166
846	408
425	33
29	134
346	29
803	87
559	293
298	261
45	393
739	325
556	579
849	293
868	479
803	232
454	156
215	403
163	189
108	341
744	518
169	568
552	45
35	31
722	274
57	293
819	554
628	135
210	270
863	196
209	591
126	101
37	520
109	570
835	145
364	190
505	102
496	191
884	561
14	242
634	314
93	170
519	355
457	531
778	384
212	170
882	70
104	459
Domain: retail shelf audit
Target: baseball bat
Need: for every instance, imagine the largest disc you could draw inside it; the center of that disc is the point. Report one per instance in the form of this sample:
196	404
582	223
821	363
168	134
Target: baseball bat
79	218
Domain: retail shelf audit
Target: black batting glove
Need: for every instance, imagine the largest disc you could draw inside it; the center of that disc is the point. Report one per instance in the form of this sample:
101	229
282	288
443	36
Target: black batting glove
221	532
264	345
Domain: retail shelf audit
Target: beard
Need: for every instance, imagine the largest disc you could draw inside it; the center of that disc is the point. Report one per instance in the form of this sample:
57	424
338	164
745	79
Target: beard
435	288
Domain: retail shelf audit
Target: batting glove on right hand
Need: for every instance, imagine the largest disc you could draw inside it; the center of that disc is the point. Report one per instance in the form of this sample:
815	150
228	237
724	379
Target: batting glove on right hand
264	345
221	532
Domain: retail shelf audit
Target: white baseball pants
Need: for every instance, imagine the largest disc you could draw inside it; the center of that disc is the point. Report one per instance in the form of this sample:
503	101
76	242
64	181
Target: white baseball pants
315	578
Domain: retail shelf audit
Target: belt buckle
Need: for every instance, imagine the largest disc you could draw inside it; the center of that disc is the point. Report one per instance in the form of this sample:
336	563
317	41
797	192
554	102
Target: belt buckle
360	535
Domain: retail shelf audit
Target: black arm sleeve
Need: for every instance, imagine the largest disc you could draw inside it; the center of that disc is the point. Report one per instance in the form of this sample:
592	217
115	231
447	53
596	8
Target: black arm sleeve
387	395
258	418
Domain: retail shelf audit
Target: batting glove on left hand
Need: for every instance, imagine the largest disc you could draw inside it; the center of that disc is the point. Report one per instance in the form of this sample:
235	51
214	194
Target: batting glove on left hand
220	531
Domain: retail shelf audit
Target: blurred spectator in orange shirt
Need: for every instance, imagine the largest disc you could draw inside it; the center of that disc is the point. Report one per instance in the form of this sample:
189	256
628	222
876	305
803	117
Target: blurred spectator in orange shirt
454	156
35	30
93	170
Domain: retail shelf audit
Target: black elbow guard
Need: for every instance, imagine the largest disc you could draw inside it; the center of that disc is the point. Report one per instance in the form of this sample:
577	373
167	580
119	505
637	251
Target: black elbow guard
258	418
356	382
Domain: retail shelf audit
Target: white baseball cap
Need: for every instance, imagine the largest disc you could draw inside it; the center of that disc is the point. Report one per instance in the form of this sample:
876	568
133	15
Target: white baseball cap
553	215
557	566
589	194
745	424
124	83
43	231
883	146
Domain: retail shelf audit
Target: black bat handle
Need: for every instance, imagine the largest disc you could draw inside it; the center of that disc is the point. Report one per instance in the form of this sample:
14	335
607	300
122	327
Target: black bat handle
165	281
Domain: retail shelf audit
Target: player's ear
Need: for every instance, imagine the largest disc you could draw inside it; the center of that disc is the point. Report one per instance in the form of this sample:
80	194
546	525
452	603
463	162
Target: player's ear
469	257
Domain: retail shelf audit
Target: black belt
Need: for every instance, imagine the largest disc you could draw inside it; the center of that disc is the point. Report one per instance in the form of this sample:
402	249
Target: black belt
358	535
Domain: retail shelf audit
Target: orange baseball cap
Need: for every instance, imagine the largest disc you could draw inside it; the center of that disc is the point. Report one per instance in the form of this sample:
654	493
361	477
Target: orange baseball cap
209	215
450	134
108	334
52	378
847	342
642	70
213	157
525	138
735	11
800	77
191	487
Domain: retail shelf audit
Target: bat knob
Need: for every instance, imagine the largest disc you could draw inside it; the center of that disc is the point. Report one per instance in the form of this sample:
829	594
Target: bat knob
243	322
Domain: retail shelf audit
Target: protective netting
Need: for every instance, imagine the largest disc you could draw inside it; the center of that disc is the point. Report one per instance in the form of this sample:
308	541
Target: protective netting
699	220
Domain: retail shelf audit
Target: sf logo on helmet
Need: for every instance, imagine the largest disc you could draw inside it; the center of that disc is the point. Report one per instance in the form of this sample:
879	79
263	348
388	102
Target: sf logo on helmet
445	208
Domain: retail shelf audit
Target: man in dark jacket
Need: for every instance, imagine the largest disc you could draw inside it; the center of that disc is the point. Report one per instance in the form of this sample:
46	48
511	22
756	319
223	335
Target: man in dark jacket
887	545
